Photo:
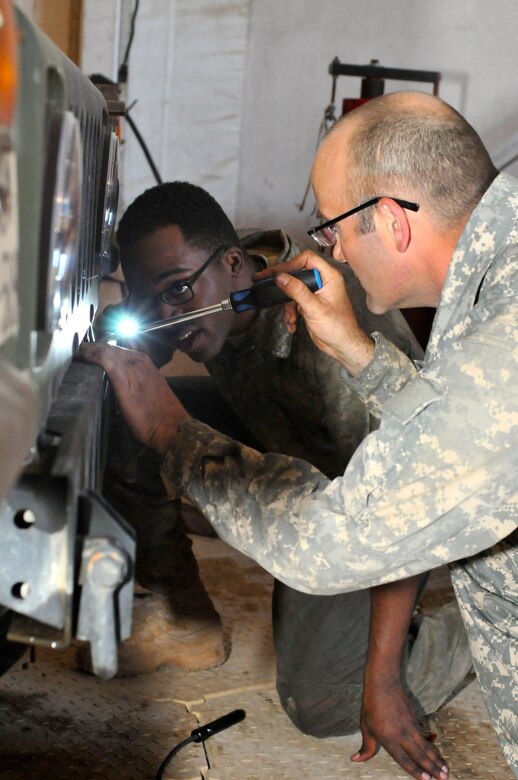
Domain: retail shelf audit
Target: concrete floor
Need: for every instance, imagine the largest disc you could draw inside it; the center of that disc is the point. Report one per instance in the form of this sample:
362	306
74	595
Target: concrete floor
57	723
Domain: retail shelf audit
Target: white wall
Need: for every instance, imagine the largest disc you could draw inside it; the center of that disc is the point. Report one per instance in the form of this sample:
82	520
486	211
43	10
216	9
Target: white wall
186	73
472	42
231	92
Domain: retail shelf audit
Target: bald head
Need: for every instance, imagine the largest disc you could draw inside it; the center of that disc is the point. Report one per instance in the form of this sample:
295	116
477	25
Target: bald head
409	145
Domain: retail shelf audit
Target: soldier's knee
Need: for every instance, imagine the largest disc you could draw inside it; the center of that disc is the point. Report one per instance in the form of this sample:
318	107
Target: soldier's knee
321	712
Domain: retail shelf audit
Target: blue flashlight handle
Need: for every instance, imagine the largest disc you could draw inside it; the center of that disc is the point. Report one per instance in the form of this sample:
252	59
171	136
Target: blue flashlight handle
265	293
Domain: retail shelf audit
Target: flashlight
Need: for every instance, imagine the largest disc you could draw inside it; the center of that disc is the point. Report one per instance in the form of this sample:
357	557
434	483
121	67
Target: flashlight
261	295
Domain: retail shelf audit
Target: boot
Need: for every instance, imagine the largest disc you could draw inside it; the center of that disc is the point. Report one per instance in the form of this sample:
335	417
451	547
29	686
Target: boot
181	629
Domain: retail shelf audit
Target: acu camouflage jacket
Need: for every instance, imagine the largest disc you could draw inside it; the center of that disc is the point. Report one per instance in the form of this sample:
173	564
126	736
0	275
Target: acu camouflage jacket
438	481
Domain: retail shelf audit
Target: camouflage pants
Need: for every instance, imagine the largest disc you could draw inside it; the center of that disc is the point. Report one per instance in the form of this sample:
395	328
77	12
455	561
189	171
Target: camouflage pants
487	590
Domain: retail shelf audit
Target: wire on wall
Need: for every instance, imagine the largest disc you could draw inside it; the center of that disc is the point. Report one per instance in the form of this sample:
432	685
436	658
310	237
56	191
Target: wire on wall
123	68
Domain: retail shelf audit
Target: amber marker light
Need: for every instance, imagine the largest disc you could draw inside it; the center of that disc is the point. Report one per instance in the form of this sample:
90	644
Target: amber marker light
8	62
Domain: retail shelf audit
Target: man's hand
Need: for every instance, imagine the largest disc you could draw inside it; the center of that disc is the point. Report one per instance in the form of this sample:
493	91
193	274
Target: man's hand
328	313
388	719
150	408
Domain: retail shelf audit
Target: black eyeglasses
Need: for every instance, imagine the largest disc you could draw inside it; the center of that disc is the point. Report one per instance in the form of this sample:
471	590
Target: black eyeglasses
326	234
181	291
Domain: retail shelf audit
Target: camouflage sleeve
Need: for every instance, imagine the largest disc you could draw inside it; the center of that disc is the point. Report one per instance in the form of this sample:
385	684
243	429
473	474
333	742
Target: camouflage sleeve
397	353
388	372
414	496
429	487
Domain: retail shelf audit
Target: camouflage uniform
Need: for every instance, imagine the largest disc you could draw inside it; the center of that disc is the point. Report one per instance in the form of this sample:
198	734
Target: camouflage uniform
436	483
292	398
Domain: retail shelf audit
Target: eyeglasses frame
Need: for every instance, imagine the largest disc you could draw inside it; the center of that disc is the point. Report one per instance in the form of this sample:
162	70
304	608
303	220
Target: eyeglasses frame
405	204
196	275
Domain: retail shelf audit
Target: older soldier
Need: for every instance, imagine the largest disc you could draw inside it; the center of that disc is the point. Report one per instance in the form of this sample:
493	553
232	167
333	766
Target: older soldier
416	208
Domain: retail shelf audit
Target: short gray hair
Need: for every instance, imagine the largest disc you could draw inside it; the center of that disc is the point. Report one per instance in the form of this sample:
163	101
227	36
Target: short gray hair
420	149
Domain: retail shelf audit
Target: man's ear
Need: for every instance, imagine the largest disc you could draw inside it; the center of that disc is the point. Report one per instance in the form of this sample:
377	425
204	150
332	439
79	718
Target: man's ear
235	260
395	221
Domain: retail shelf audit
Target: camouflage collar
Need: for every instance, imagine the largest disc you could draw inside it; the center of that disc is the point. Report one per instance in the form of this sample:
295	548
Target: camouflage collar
267	332
490	229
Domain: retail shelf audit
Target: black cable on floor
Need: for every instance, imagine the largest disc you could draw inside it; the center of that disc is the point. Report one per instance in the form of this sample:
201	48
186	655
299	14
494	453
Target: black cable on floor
201	734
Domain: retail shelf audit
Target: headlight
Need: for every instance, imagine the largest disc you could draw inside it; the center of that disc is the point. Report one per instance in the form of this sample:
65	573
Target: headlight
110	201
63	197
